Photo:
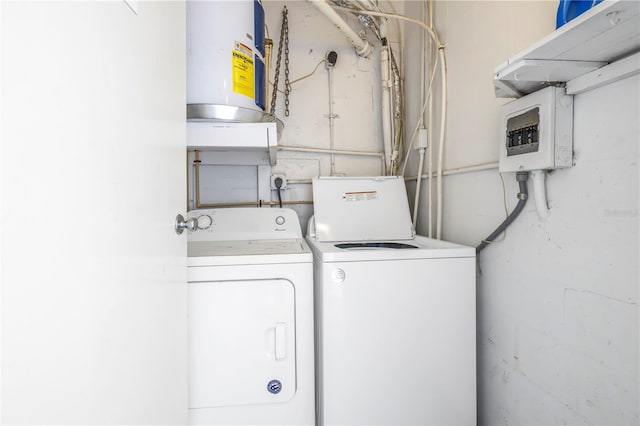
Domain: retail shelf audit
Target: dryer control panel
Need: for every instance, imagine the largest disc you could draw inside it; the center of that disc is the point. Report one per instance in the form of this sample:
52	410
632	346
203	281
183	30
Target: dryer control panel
237	224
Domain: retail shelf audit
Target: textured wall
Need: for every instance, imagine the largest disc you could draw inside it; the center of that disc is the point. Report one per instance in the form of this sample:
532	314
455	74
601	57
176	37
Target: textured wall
557	300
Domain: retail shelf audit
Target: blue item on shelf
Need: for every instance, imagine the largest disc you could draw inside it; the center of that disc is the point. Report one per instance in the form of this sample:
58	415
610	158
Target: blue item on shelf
569	9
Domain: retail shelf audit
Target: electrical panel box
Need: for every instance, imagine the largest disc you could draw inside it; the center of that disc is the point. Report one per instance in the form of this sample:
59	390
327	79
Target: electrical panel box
537	131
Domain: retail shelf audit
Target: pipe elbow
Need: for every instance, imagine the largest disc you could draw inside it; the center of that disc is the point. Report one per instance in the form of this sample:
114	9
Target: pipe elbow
540	194
363	47
365	50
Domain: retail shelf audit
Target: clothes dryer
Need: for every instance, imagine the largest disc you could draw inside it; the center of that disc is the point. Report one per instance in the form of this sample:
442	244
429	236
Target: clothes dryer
250	295
395	313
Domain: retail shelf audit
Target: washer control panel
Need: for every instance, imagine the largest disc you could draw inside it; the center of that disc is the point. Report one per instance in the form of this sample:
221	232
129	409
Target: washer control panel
233	224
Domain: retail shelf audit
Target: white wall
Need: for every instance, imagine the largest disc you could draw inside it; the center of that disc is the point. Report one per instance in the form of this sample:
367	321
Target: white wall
558	321
557	301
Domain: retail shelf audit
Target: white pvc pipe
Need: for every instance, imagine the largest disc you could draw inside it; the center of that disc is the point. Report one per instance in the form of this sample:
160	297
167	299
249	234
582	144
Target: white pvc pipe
387	131
430	123
459	170
330	151
331	122
423	95
423	74
426	117
540	194
443	74
432	34
386	108
416	200
367	4
363	48
443	121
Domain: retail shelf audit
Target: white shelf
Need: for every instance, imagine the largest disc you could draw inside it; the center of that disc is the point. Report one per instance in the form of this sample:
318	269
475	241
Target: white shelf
604	34
235	143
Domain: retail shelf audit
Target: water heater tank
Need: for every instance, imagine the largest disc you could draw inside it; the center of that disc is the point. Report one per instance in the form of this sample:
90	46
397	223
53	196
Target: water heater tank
225	54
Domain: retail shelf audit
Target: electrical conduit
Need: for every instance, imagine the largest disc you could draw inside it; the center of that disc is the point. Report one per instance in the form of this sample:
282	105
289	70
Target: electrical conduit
522	178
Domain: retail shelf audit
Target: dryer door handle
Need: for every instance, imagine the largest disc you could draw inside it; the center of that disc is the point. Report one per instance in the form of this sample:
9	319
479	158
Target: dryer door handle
281	341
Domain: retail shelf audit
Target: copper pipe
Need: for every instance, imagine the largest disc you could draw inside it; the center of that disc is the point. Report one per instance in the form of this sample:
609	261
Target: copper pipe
259	203
188	173
196	163
268	46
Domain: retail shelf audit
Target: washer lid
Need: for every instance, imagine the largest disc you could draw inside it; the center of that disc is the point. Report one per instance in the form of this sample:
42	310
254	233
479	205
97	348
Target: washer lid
361	209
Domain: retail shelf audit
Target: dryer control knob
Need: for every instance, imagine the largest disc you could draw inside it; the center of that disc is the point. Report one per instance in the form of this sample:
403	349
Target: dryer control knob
280	220
204	221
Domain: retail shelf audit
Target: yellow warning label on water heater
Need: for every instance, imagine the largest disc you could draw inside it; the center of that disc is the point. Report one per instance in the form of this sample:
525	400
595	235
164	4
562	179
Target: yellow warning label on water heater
242	65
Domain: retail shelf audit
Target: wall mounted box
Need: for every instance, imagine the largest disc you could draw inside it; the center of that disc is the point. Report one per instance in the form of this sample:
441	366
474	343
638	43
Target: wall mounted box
537	132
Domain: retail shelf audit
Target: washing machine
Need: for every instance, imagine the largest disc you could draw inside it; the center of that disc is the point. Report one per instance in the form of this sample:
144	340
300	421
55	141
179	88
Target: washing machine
395	312
250	295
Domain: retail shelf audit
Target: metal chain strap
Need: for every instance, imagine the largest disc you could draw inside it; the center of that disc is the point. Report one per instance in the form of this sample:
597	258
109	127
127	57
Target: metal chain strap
283	32
287	85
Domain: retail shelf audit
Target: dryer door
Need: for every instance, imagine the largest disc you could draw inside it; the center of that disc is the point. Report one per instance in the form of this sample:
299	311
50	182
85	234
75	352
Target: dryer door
241	342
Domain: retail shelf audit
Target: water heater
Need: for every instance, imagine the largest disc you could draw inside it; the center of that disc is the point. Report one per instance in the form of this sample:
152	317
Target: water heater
225	54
